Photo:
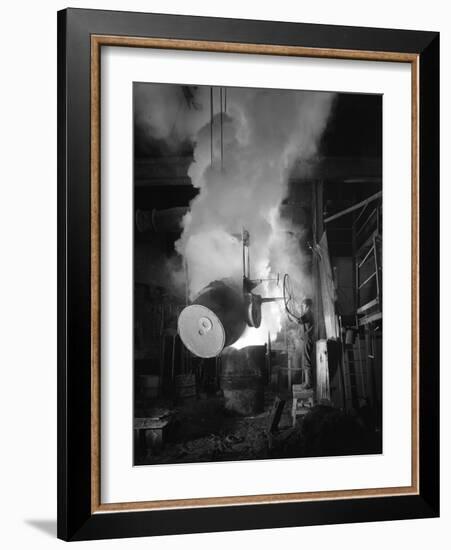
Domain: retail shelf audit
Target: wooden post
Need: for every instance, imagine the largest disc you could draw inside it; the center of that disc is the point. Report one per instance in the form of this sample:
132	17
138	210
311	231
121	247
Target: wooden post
319	210
317	226
276	414
289	373
173	360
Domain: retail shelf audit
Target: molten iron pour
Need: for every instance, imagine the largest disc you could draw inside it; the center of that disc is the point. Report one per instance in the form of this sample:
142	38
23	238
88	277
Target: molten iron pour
218	315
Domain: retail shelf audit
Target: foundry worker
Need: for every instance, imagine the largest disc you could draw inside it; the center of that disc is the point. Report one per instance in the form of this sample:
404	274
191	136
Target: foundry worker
306	335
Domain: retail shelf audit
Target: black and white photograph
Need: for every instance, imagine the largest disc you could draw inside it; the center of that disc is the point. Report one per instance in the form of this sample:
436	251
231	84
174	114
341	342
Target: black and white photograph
257	273
225	278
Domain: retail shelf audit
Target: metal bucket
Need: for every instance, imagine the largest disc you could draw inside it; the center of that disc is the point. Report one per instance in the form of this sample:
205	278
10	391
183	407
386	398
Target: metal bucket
242	380
214	320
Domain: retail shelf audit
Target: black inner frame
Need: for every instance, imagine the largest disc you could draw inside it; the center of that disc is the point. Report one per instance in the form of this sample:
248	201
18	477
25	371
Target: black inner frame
75	521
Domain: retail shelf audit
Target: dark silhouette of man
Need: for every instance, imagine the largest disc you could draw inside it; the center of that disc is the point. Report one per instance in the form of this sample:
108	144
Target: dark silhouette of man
306	323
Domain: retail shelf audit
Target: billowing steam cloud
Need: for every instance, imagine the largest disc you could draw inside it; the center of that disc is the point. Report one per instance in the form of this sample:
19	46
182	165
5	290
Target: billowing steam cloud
170	113
264	133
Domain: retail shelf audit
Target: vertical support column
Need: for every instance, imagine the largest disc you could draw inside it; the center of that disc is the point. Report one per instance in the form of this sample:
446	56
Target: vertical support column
319	210
317	231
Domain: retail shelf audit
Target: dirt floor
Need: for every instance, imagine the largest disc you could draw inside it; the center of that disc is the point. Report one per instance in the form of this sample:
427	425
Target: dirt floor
202	430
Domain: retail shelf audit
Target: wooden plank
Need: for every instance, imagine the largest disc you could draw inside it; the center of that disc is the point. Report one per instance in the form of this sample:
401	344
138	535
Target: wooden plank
367	255
370	318
276	414
368	280
369	305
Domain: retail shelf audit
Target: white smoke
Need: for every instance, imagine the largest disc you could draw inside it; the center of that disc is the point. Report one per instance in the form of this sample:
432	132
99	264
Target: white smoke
170	113
264	133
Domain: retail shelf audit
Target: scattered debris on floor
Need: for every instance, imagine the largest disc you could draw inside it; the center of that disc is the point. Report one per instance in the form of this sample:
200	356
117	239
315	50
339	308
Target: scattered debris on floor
203	430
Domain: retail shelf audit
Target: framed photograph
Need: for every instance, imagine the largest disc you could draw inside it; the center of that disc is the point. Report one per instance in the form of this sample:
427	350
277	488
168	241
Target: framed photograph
248	274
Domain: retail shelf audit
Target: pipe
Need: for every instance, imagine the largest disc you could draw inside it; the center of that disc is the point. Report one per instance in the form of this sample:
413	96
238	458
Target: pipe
168	220
352	208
